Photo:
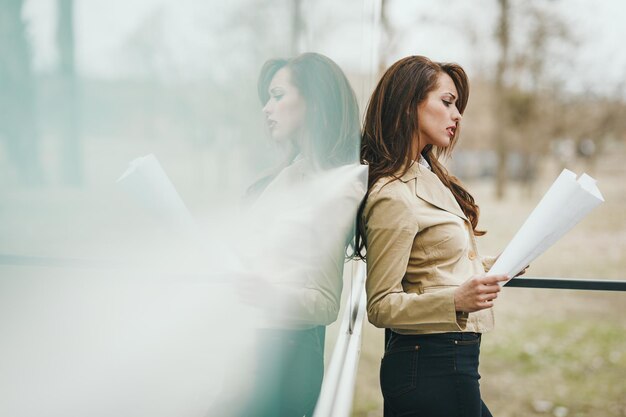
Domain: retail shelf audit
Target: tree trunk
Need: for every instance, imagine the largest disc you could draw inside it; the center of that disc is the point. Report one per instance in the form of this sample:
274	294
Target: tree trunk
502	148
72	170
18	110
386	35
297	27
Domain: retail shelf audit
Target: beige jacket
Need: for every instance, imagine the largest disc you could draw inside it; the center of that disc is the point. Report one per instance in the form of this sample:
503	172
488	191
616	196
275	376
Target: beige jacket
294	240
420	247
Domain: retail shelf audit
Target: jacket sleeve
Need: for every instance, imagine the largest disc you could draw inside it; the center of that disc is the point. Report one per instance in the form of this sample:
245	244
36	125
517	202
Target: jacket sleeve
391	228
316	302
312	295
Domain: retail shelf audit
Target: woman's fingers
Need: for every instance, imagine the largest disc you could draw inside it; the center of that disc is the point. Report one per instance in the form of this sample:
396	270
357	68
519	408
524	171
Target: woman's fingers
489	288
478	292
488	291
493	279
489	296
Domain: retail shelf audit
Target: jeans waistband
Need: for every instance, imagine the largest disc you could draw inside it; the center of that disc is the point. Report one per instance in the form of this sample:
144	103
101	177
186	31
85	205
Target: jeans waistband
398	339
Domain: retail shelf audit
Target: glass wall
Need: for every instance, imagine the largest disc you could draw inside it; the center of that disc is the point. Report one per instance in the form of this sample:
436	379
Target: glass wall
179	184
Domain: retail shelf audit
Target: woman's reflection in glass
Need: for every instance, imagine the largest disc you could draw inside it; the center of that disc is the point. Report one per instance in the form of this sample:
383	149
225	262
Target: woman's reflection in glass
299	228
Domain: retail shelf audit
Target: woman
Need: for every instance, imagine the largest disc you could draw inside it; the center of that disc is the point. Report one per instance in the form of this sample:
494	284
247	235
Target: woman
311	113
426	282
302	218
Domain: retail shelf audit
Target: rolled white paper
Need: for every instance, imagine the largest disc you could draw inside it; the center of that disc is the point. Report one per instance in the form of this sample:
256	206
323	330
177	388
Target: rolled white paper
563	206
146	181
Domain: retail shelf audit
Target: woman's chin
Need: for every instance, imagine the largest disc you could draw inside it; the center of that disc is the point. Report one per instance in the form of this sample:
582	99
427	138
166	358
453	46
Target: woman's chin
278	137
441	144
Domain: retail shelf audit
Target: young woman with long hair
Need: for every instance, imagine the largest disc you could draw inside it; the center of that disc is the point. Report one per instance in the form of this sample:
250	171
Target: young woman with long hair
303	214
417	230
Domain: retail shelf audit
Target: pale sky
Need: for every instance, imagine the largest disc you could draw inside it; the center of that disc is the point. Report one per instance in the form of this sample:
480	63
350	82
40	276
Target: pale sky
456	30
598	62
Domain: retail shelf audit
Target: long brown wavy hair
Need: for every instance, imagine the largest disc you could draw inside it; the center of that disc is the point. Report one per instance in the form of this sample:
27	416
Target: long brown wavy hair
332	116
392	122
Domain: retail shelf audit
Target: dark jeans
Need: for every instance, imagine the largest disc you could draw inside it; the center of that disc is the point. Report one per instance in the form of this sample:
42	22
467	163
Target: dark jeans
432	375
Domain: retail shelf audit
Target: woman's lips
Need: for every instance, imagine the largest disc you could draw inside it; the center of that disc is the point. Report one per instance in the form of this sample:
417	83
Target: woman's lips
450	131
271	124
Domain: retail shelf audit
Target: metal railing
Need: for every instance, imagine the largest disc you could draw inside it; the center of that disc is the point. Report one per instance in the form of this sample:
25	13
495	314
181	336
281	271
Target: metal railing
567	284
340	378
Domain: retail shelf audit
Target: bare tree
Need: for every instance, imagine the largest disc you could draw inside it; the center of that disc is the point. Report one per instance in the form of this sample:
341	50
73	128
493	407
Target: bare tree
297	27
69	112
502	148
386	30
18	110
526	92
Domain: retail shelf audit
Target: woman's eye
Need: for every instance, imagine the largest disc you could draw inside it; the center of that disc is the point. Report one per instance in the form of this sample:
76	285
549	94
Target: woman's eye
447	103
278	97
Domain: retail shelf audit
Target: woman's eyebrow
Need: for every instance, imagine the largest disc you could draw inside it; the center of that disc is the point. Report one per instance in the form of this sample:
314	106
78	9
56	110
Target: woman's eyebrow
453	96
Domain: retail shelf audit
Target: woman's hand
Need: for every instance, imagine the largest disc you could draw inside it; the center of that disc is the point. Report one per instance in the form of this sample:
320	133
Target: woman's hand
478	293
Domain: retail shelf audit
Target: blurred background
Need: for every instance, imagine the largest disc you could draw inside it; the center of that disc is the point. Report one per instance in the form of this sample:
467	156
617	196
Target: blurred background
87	86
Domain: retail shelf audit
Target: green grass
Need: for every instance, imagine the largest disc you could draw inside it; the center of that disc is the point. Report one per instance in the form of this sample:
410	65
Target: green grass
579	364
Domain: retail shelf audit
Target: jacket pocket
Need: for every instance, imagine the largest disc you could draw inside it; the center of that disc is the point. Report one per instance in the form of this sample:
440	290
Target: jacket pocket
398	371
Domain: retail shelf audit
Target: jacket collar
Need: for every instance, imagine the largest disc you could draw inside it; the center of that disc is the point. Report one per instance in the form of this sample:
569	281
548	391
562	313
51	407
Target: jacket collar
428	187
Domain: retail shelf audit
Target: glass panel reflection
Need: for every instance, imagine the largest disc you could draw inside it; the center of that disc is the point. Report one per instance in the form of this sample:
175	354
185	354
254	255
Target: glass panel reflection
110	304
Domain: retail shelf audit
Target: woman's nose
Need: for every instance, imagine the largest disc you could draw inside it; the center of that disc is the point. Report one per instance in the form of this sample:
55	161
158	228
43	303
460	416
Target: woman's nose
266	109
456	116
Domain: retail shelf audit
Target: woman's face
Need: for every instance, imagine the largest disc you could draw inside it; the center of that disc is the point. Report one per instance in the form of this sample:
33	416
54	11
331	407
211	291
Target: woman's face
285	109
437	114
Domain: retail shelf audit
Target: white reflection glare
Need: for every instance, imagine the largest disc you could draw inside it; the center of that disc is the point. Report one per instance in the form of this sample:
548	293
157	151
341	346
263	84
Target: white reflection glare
175	333
104	343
